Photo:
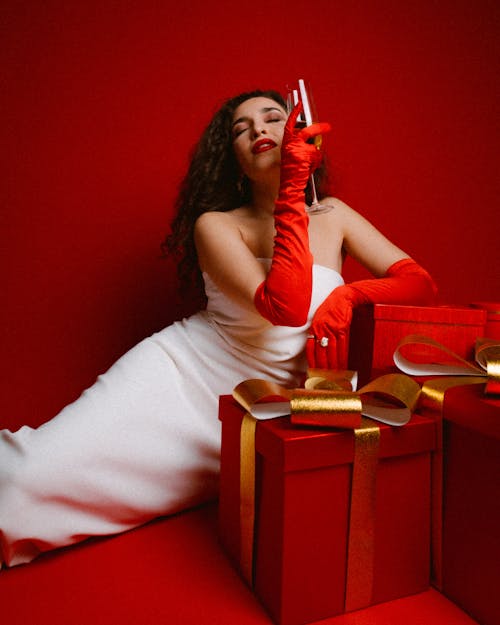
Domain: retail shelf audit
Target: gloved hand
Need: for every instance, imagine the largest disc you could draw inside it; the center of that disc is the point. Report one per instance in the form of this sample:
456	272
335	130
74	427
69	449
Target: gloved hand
299	156
404	283
284	297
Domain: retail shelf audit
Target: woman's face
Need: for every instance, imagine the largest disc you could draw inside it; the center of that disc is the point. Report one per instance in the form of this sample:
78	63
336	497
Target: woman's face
257	130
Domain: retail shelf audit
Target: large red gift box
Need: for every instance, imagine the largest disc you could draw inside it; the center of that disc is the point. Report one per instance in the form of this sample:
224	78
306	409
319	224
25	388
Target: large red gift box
377	329
302	497
471	502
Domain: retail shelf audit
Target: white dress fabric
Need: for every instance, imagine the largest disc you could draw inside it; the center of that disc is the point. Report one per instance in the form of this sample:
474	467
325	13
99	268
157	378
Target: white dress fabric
144	440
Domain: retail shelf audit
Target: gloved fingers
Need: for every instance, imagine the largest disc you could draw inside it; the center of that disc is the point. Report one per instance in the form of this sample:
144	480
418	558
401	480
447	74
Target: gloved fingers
331	353
342	346
327	352
302	157
315	158
321	354
309	132
291	122
318	352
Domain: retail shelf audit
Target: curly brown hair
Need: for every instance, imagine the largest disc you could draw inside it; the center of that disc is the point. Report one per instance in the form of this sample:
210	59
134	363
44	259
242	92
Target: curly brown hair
213	183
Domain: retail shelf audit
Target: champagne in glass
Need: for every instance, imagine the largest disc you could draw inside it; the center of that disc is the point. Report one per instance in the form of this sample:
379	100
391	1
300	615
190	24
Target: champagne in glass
307	118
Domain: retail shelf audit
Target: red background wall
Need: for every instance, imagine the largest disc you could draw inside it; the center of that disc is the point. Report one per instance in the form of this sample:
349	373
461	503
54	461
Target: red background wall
102	101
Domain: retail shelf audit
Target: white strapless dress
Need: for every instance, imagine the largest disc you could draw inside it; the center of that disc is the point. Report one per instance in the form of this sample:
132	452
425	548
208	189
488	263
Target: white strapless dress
144	440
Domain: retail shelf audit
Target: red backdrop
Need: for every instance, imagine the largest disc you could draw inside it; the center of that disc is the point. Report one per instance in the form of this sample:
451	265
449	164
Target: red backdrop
102	101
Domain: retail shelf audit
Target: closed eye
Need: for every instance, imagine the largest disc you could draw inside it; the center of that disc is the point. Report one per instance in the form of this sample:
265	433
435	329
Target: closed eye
277	118
238	130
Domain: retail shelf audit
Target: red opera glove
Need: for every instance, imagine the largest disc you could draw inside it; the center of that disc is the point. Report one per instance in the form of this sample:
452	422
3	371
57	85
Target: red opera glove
285	295
404	283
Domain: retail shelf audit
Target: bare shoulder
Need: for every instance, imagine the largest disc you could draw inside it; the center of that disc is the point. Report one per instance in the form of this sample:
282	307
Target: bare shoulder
219	236
343	228
226	219
344	218
341	211
334	220
364	242
214	219
215	224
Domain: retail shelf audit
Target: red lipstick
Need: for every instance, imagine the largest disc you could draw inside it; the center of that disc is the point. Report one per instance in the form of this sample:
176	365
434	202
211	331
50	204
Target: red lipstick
263	145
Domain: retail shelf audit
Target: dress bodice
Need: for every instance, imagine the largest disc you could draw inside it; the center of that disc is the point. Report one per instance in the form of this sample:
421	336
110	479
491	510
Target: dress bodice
240	326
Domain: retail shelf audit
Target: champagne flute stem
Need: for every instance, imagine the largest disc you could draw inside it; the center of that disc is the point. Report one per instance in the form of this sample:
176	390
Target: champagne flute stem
313	190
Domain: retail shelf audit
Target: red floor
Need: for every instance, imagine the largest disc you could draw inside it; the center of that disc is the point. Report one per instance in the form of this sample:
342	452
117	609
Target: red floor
171	571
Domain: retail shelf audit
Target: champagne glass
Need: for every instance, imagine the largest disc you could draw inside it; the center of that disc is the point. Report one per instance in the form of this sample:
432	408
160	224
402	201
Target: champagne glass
306	118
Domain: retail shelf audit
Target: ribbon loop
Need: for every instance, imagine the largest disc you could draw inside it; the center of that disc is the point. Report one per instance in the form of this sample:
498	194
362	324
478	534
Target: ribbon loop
393	388
334	379
487	356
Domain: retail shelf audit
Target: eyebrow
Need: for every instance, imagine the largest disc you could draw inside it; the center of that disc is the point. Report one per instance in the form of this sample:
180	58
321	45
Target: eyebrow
266	109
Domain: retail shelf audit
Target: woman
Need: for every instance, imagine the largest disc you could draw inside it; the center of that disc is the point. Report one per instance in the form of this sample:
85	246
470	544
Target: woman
144	440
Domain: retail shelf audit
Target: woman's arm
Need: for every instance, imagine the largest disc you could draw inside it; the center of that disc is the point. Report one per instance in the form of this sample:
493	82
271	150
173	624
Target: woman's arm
363	242
225	256
400	281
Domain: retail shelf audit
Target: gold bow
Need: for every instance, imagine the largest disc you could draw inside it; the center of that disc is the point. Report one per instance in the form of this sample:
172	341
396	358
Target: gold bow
328	399
487	356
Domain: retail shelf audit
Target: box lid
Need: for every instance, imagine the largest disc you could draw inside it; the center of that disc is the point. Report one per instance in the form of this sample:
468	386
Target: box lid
491	307
452	315
469	407
297	448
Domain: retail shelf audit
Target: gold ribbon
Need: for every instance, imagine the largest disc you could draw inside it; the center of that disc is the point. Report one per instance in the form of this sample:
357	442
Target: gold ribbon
487	356
361	541
247	495
328	401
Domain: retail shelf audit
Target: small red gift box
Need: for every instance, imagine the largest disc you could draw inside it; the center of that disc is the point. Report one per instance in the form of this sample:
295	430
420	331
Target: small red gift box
300	542
377	329
471	502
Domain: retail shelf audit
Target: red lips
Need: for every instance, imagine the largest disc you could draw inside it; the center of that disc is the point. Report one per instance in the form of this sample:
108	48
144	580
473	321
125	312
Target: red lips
263	145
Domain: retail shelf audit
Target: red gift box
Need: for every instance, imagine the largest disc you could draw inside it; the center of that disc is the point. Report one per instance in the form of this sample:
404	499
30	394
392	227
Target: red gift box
471	502
302	497
377	329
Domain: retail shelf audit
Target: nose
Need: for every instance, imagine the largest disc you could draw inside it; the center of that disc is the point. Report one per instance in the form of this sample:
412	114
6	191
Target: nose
258	129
